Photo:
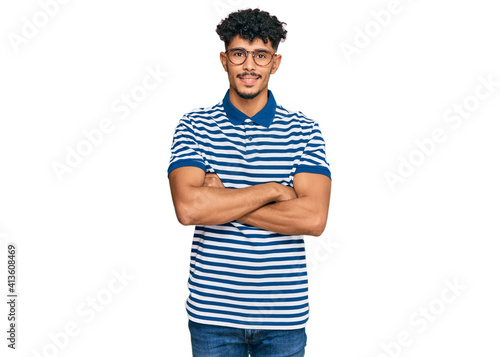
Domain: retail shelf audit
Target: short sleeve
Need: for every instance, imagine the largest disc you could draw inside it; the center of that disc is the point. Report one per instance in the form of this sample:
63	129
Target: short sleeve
313	159
185	150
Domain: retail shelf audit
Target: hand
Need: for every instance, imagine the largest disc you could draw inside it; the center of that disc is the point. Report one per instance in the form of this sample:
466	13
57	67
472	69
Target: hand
286	193
212	180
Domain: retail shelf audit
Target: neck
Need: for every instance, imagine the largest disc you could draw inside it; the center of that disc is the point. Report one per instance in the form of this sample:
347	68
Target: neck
249	107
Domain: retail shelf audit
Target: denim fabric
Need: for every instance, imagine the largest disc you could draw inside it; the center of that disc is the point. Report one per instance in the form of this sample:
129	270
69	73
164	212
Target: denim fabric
220	341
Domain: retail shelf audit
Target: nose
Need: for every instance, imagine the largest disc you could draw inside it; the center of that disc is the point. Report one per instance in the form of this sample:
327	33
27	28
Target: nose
249	64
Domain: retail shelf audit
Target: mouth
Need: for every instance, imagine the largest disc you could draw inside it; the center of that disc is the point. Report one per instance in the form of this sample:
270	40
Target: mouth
248	80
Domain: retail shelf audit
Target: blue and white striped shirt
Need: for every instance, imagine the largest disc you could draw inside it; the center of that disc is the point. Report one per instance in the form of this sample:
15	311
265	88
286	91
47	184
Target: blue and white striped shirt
243	276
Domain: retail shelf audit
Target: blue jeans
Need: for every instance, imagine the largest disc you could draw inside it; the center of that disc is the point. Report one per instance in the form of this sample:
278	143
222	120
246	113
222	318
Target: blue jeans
219	341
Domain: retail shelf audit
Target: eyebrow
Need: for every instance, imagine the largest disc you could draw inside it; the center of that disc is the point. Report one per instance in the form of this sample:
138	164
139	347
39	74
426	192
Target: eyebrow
257	49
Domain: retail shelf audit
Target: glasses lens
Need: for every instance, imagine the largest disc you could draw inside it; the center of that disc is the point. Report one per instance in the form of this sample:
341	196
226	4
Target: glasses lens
237	56
263	58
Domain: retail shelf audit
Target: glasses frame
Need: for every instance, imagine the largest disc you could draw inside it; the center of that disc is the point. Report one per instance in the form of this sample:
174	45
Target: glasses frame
246	56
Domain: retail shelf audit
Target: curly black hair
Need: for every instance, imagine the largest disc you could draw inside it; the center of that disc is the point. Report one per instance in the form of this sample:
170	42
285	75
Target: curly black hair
251	24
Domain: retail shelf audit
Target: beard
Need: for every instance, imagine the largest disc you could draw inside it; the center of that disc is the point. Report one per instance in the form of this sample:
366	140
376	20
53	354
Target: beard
247	95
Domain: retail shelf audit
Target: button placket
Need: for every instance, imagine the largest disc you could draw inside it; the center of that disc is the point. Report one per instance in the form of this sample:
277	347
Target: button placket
248	125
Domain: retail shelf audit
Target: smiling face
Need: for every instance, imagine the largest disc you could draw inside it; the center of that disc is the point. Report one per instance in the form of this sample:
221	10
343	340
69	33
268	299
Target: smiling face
248	80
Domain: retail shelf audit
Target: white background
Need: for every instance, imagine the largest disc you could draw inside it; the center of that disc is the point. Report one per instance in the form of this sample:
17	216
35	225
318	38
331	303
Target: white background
384	254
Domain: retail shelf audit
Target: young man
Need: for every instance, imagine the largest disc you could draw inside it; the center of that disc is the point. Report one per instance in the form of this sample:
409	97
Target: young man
253	178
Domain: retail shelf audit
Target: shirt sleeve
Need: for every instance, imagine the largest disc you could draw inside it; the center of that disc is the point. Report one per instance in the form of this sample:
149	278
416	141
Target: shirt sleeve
185	150
313	159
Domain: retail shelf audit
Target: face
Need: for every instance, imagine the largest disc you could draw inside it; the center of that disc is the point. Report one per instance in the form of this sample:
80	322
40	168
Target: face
248	80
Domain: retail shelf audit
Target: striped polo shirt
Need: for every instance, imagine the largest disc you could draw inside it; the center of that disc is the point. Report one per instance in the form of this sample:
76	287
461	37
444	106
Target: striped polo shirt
240	275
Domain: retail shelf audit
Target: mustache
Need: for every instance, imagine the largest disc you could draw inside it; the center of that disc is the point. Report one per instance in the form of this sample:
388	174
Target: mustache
248	74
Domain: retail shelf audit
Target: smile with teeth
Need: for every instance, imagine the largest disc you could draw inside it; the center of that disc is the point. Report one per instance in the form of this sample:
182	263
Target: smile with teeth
249	80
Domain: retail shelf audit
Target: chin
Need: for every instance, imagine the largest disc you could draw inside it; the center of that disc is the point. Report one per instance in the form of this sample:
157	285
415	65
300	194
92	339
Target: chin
248	95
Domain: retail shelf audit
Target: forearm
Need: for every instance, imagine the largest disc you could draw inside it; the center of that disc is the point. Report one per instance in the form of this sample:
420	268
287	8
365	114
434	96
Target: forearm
214	205
293	217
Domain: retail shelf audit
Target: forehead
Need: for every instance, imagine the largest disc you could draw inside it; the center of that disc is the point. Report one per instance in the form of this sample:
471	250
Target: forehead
257	43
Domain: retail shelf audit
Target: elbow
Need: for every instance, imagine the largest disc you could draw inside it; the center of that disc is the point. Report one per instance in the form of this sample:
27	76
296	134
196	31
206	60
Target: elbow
317	226
189	210
185	215
185	220
316	231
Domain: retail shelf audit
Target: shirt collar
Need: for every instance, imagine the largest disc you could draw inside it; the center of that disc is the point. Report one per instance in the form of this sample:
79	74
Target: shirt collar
264	117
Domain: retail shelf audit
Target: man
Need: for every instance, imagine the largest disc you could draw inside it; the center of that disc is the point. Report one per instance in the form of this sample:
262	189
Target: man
253	178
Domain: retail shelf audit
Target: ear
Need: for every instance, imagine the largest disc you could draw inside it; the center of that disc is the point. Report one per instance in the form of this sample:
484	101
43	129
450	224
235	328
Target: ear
276	63
223	60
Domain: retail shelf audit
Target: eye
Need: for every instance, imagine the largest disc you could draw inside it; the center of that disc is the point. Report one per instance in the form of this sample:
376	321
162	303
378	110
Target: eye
261	54
238	53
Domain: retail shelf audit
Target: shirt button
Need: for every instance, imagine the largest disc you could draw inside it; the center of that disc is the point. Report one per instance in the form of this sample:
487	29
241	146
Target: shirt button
250	138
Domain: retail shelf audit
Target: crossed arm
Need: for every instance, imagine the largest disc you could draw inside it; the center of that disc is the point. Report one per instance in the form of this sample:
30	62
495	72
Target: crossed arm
201	199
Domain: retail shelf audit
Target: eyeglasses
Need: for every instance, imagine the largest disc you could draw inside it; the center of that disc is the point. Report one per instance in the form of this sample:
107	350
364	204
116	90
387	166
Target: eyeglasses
238	56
